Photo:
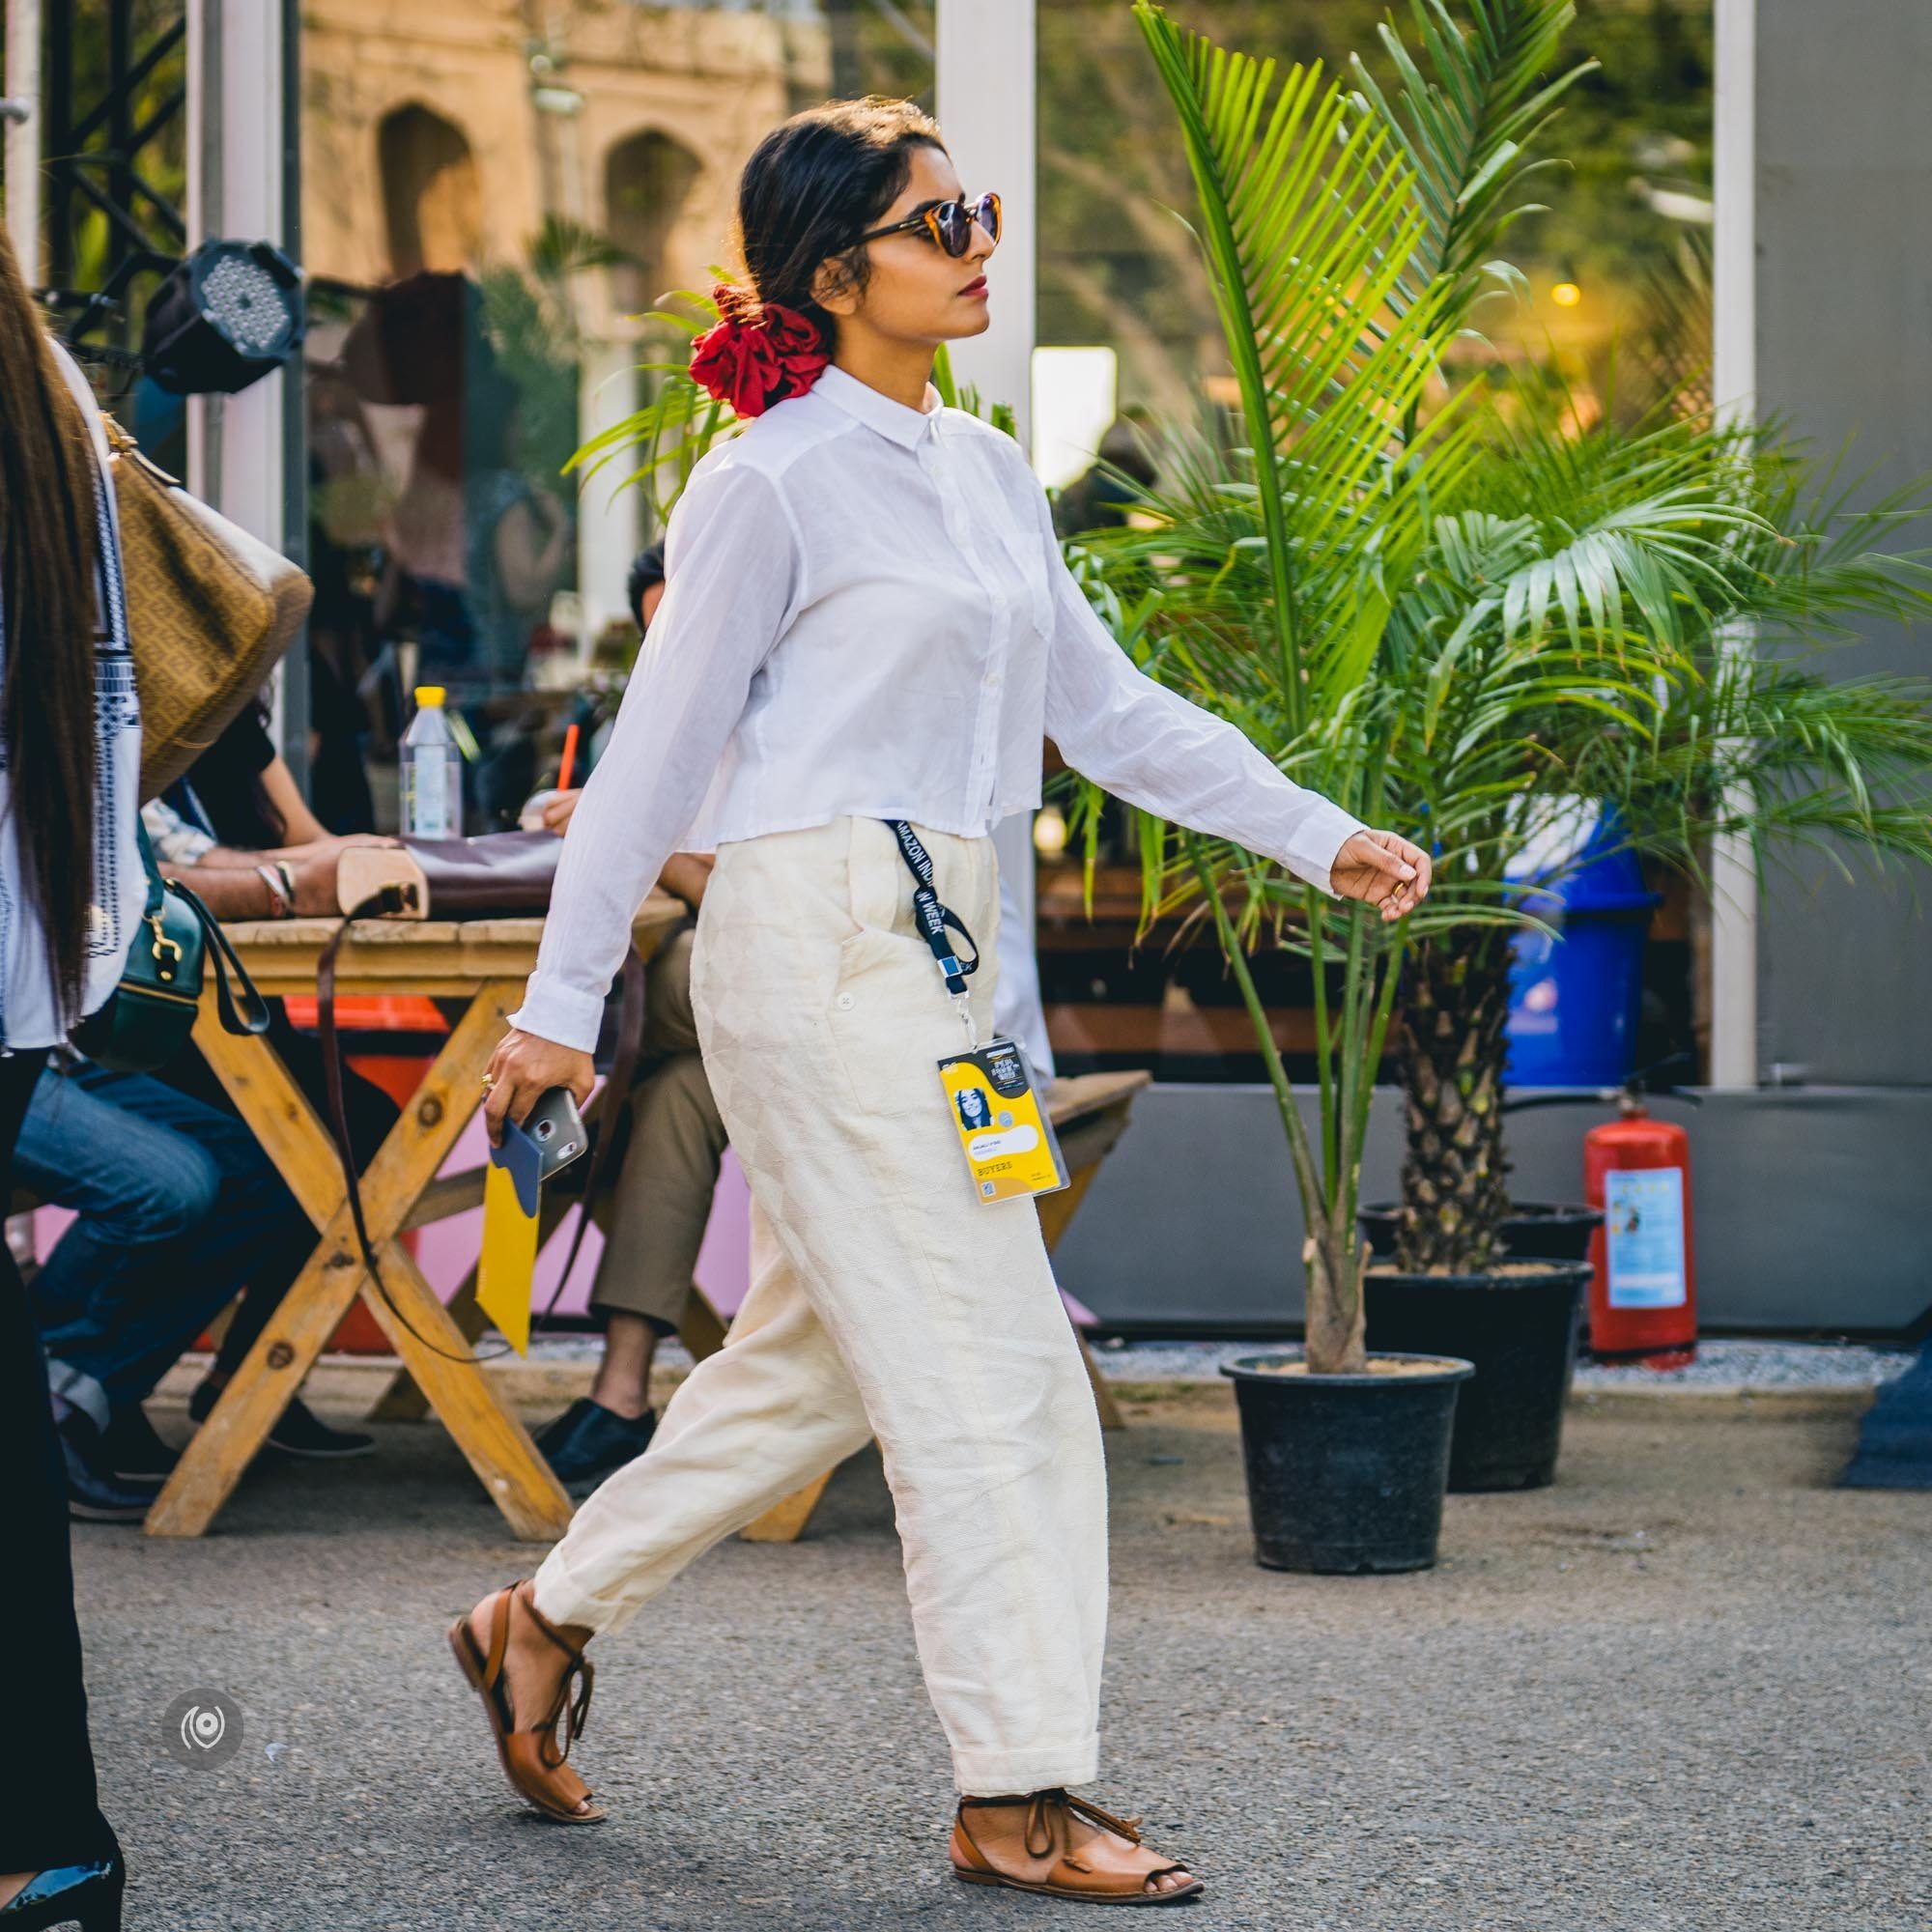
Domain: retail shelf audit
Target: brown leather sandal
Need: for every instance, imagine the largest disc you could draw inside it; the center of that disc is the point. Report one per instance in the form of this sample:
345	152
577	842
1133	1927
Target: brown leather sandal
532	1760
1057	1855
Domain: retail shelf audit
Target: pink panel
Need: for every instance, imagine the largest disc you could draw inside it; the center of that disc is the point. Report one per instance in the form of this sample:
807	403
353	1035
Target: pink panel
449	1248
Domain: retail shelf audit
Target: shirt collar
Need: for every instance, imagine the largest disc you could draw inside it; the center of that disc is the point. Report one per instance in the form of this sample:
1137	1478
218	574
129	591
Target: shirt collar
905	427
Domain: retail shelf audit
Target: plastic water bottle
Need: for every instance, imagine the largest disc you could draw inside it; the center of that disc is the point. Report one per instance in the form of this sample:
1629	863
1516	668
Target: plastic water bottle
431	771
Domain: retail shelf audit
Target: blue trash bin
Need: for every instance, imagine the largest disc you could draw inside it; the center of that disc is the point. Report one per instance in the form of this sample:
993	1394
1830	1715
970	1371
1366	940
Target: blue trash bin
1575	1001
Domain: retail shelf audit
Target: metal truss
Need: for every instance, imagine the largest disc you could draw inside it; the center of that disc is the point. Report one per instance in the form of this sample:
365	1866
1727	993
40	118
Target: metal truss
101	120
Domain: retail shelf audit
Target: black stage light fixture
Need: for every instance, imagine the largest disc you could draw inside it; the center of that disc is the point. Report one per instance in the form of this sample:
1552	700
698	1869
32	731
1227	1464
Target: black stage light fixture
222	319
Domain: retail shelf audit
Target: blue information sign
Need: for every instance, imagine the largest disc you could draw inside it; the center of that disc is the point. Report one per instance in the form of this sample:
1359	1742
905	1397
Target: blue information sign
1643	1231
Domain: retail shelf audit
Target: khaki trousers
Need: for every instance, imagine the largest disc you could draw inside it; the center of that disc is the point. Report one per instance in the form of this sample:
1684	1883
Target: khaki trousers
885	1300
660	1204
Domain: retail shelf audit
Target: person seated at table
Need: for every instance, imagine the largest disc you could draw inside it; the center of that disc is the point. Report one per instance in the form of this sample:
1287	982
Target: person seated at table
659	1200
179	1209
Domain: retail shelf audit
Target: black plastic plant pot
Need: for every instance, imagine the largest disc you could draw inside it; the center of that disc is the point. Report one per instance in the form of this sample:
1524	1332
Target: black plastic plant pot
1345	1473
1520	1332
1548	1231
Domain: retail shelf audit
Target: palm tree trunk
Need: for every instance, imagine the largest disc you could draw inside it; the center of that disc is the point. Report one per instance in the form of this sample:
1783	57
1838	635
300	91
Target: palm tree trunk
1336	1259
1455	1174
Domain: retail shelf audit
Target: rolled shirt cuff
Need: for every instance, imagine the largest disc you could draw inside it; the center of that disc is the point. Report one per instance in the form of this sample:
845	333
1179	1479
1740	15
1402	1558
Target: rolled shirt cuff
1317	843
566	1014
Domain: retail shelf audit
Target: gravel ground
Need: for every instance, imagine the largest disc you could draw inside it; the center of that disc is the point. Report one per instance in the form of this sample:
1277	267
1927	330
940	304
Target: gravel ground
1686	1688
1720	1364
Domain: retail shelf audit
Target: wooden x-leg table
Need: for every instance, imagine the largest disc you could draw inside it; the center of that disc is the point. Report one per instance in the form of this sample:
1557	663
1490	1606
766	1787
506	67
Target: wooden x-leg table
485	961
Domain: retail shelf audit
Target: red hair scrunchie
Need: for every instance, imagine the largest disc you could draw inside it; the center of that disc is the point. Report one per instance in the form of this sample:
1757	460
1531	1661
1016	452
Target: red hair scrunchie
758	353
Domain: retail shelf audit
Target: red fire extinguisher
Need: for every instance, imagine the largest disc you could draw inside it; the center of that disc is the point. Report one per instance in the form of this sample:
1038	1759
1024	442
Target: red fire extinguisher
1643	1282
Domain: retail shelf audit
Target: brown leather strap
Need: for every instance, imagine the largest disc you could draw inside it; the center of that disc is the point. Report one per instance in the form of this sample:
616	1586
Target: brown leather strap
499	1638
1048	1816
565	1710
628	1051
338	1117
570	1711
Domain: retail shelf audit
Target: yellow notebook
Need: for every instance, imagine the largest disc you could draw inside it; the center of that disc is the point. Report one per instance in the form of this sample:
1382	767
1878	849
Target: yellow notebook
508	1267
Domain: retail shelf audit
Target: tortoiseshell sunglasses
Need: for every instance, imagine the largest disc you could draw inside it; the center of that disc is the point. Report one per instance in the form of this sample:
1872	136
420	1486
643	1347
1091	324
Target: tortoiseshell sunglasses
949	223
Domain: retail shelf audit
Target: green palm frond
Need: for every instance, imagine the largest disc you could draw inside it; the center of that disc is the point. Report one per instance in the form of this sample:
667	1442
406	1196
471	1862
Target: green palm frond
1467	128
1308	218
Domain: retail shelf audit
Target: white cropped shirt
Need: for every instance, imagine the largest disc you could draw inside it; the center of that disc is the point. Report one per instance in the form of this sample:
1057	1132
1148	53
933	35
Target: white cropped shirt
866	612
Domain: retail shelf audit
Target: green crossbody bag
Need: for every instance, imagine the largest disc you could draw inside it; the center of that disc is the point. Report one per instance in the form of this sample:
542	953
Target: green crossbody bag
149	1017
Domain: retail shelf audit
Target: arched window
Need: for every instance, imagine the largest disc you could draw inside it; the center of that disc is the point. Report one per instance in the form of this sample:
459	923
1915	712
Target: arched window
646	180
431	202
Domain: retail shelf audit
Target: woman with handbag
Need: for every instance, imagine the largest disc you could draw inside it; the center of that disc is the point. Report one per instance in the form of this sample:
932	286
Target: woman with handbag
868	620
74	889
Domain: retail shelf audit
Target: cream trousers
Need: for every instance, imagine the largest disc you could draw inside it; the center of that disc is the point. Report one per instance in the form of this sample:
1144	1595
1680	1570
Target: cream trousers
886	1301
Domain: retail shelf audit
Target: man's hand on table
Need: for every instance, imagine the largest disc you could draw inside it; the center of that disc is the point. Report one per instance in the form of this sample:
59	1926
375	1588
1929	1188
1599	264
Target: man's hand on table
685	875
557	814
522	1069
230	884
314	869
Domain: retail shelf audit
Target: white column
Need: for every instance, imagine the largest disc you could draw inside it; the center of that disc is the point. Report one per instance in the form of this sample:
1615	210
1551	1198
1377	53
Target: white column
988	123
988	114
1734	909
204	198
607	515
248	208
22	91
235	444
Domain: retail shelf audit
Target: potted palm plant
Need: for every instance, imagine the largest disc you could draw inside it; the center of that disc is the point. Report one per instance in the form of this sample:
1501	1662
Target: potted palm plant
1690	532
1432	602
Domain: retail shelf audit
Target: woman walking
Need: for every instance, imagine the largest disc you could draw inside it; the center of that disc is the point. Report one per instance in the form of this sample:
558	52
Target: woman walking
867	621
72	890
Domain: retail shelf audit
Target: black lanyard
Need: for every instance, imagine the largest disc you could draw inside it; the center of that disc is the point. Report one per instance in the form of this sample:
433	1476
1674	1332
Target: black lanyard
934	919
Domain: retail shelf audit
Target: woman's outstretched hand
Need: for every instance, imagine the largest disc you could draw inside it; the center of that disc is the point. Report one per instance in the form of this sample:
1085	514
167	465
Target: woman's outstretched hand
522	1069
1383	870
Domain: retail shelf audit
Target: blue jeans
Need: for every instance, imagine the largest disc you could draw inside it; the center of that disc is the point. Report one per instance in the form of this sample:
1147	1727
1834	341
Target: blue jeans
179	1209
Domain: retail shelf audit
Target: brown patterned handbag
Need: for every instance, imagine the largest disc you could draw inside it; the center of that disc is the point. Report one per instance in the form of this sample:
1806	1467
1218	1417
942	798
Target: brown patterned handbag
211	609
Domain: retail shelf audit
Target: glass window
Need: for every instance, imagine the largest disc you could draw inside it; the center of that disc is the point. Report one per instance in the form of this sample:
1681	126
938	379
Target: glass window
488	212
1128	335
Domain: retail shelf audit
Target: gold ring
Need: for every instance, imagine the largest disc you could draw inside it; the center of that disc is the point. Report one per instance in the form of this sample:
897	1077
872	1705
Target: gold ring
489	1081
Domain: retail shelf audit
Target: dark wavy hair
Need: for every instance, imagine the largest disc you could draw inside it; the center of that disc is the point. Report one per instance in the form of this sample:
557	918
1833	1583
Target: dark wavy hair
47	583
814	185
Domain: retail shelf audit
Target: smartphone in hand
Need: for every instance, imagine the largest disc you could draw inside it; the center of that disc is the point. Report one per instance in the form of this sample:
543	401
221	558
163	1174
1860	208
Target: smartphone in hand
551	1136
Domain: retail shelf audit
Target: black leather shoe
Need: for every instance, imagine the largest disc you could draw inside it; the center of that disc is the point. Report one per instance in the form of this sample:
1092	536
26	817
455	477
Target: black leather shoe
133	1450
298	1431
588	1441
301	1432
85	1895
94	1494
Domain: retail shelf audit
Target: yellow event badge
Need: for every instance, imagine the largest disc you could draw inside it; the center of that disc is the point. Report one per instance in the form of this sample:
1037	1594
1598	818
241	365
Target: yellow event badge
1009	1142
